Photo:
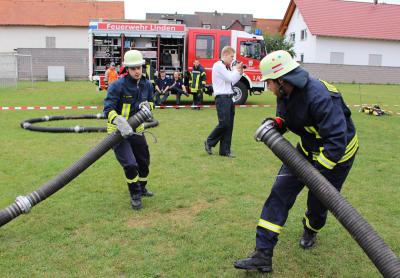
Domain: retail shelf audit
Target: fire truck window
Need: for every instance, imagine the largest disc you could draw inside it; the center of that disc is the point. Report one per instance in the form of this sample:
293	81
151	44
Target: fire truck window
223	41
205	47
251	50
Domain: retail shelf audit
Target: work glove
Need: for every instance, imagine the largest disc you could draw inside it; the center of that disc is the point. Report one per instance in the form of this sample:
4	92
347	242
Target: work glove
140	128
278	123
122	125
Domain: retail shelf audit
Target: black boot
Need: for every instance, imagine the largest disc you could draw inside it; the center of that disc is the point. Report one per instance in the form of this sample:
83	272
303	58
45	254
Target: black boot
136	196
260	260
136	201
308	239
144	191
207	147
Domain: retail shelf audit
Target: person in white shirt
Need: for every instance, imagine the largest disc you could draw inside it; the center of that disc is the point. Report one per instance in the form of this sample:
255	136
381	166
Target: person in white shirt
223	78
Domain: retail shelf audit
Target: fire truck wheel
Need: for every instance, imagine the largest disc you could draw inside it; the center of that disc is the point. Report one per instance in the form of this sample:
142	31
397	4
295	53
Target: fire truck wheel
241	92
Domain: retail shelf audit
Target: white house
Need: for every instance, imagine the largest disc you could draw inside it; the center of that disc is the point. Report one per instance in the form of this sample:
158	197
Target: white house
54	33
51	24
344	32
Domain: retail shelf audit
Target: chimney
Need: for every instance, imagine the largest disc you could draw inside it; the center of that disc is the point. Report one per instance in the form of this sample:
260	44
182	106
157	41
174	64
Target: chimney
375	2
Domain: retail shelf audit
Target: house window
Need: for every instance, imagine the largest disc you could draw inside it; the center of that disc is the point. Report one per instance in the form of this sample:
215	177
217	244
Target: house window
178	21
247	28
337	58
50	42
223	41
302	57
292	37
207	26
303	34
204	47
375	60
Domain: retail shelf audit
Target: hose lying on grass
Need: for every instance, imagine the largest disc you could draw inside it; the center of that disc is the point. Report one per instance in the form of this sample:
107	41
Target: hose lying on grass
374	246
28	124
23	204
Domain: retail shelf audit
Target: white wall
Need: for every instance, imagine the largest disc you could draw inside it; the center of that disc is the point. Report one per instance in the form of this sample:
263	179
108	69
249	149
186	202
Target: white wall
317	49
356	51
307	46
12	37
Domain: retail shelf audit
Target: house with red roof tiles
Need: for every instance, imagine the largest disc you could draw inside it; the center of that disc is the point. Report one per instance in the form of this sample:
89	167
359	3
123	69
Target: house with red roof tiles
344	32
267	26
53	32
51	23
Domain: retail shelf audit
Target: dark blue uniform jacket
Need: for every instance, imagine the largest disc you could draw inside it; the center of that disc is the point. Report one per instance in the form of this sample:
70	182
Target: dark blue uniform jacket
125	95
318	114
163	83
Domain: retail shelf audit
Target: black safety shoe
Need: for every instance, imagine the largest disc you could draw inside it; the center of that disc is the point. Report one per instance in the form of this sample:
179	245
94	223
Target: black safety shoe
230	155
308	239
146	193
136	201
207	147
260	260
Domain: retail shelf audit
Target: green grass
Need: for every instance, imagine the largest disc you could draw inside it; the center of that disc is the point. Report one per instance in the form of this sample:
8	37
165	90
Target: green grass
205	211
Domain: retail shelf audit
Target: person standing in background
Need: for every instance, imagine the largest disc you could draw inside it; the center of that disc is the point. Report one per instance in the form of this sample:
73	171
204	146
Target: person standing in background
223	78
111	75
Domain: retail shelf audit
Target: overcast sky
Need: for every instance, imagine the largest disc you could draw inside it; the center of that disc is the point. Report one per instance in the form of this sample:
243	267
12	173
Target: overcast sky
135	9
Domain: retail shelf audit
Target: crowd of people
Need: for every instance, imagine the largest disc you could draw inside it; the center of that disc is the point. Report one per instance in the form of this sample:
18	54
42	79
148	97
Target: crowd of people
164	86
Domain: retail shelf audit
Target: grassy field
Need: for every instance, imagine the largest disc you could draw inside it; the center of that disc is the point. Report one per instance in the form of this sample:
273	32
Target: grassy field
205	211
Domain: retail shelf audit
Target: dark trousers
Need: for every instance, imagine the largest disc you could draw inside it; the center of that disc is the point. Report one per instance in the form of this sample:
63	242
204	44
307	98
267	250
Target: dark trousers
134	156
222	133
282	197
162	101
198	97
178	93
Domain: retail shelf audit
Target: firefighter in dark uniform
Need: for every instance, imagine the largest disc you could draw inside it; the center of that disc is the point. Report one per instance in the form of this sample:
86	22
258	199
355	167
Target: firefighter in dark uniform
124	98
315	111
162	88
197	82
149	71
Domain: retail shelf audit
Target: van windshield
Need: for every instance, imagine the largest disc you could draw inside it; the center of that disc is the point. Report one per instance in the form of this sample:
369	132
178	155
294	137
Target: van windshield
252	49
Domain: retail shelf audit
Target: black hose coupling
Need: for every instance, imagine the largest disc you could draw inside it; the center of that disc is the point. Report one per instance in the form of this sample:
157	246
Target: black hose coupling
263	130
142	115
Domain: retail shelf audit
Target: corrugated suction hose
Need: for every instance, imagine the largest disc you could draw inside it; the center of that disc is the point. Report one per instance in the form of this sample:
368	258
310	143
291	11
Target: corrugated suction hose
29	124
374	246
23	204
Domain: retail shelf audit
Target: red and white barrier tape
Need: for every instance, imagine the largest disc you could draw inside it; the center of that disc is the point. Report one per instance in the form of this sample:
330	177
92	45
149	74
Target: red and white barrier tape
99	107
62	107
74	107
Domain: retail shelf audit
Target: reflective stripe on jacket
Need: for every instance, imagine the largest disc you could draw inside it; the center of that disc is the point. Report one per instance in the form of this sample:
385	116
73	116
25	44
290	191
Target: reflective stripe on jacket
197	79
318	114
124	96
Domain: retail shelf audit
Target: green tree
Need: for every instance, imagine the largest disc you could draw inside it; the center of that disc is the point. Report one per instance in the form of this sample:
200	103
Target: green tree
278	42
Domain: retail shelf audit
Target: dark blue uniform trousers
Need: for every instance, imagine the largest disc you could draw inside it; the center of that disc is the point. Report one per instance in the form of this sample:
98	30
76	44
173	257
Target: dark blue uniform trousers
222	133
134	156
282	197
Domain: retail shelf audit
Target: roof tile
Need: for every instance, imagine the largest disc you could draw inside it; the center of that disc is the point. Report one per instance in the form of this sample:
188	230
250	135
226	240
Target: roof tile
57	12
351	19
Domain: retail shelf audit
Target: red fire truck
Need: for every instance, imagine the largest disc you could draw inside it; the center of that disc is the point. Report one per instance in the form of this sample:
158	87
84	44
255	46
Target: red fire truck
174	47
